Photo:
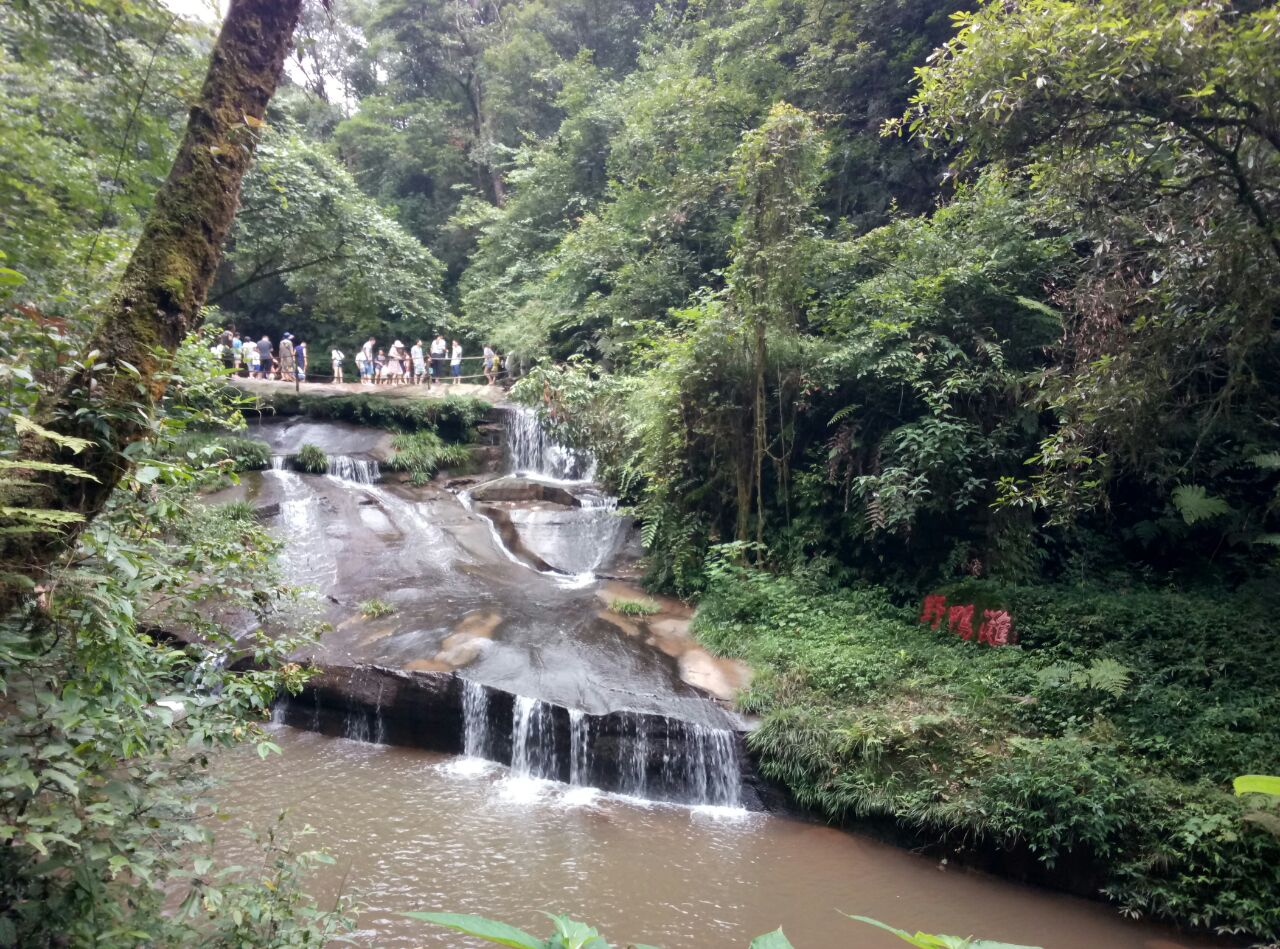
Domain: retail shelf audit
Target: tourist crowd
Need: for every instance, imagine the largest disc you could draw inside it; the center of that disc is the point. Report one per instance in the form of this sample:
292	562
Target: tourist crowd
399	365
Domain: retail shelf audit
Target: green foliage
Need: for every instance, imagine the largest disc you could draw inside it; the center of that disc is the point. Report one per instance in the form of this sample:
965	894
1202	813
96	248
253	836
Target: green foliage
1110	737
571	934
927	941
422	453
1149	134
635	607
453	417
375	608
312	460
118	699
312	255
80	156
238	453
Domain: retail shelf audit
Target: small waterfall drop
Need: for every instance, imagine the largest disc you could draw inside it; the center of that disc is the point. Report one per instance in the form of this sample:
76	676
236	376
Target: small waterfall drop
533	739
345	467
530	449
359	470
579	745
475	720
633	761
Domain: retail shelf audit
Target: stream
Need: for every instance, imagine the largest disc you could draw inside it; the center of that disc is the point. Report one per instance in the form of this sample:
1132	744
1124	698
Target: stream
599	768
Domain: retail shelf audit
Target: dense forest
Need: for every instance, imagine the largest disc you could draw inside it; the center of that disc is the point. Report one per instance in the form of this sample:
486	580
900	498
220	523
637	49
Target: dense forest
856	303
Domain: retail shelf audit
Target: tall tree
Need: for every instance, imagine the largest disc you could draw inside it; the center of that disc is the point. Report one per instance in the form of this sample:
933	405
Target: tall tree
105	403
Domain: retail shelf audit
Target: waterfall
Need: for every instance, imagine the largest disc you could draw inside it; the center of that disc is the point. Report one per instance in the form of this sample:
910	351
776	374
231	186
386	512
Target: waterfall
633	758
531	450
359	470
345	467
533	739
475	720
579	743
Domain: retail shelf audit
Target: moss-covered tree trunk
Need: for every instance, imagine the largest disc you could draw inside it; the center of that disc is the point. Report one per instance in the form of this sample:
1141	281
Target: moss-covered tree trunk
159	298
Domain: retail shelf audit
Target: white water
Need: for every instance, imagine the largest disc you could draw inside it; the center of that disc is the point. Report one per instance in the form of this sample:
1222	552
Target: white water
344	467
531	450
698	765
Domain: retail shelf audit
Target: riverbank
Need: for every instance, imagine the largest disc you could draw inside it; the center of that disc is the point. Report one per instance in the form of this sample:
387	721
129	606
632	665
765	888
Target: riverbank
1096	756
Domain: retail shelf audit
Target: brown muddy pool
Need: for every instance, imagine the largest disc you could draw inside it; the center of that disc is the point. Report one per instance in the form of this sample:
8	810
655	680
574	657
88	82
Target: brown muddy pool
412	830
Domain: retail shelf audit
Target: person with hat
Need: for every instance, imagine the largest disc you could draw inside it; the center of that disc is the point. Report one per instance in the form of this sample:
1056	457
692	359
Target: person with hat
288	364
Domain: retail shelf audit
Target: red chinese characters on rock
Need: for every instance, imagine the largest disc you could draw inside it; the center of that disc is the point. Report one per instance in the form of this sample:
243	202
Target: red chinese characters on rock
996	628
960	621
935	610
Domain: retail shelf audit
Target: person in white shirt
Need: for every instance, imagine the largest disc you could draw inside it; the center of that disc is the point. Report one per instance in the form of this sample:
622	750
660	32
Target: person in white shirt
419	363
249	358
455	362
490	365
367	361
336	357
438	348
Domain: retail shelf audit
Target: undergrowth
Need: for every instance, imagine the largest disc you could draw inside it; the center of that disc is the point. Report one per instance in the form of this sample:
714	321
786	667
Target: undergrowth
423	453
635	607
1104	745
209	448
312	460
452	417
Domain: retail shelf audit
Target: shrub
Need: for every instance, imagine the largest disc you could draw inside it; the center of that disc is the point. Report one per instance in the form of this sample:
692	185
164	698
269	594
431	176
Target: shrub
453	417
311	460
375	608
208	448
635	607
422	453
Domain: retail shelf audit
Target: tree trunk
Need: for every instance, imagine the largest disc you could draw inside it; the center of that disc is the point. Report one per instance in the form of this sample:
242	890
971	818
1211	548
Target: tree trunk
163	288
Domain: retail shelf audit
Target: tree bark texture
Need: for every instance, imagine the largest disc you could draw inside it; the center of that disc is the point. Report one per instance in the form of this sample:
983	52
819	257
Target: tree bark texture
161	293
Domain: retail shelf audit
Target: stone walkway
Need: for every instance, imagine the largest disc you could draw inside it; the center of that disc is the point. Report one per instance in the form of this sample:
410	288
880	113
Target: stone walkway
494	395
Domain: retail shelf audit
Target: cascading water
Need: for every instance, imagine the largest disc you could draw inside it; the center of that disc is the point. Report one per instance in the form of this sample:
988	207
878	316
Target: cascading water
533	739
685	762
475	720
579	743
530	449
345	467
359	470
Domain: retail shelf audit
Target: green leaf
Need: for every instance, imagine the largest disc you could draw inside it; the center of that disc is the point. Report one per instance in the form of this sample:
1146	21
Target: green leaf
773	940
25	425
576	935
71	471
927	941
1257	784
489	930
146	474
1194	503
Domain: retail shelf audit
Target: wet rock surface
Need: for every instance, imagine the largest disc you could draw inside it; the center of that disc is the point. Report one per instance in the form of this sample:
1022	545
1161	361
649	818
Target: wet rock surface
501	591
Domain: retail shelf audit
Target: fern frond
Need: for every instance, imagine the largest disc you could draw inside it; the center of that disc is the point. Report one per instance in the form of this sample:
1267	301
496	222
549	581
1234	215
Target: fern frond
24	425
